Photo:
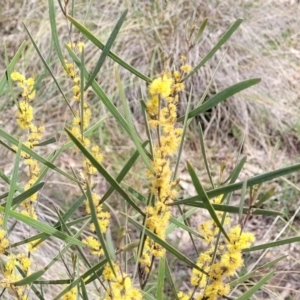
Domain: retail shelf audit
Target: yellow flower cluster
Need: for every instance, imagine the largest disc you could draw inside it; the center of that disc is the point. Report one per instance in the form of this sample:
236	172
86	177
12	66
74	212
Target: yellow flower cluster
81	116
228	258
88	169
162	113
25	112
25	117
4	243
70	295
120	286
11	275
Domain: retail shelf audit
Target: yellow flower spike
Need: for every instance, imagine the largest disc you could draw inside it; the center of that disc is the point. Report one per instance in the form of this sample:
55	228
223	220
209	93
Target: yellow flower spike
161	86
186	68
70	295
80	46
95	245
4	243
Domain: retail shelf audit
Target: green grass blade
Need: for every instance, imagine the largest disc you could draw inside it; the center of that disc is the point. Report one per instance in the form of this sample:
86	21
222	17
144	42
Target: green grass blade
164	244
132	131
12	187
48	68
106	48
29	279
54	32
35	156
11	66
103	172
221	96
202	194
256	287
43	227
251	182
113	56
219	44
273	244
161	278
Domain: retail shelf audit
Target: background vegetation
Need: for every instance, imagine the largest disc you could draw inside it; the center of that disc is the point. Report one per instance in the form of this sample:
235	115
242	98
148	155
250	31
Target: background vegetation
263	119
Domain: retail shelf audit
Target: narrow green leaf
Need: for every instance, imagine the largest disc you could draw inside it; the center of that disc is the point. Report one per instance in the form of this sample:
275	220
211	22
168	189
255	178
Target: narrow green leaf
129	164
54	32
113	56
221	96
89	272
12	187
34	155
134	193
110	244
256	287
256	271
46	142
183	136
43	227
243	196
219	44
20	198
230	209
42	236
59	281
200	31
180	219
83	290
82	68
237	170
202	194
164	244
202	145
11	66
132	131
251	182
102	96
178	224
265	197
273	244
106	49
97	227
147	296
29	279
169	277
102	171
48	68
161	278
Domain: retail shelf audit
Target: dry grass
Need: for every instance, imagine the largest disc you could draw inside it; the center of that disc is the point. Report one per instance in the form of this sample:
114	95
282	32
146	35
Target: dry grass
267	115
